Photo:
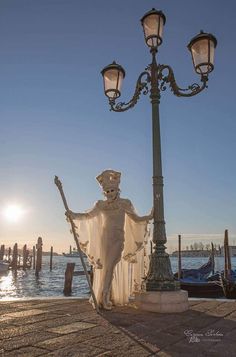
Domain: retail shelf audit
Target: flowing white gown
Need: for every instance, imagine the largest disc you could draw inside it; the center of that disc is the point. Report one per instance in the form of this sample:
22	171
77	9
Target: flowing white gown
113	237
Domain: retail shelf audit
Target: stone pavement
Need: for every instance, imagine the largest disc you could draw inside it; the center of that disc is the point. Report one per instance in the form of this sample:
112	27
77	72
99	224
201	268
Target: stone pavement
70	327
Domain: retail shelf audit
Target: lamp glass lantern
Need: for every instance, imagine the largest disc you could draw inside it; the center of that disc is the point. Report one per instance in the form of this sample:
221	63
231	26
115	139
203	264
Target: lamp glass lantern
113	76
153	22
202	48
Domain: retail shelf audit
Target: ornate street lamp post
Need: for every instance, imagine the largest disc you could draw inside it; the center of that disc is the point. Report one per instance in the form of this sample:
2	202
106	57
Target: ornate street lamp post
154	80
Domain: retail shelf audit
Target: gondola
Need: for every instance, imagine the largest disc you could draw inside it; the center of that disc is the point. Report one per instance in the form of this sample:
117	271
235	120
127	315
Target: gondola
201	273
201	282
202	289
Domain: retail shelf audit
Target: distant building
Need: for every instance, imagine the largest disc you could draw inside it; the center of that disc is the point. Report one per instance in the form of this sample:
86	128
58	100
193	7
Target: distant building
205	253
192	253
232	251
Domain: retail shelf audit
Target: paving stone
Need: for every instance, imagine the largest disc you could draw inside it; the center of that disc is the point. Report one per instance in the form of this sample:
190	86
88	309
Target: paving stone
14	331
121	344
24	341
133	351
76	326
33	319
78	350
181	354
136	338
221	326
5	319
194	302
74	338
231	335
231	316
223	309
73	328
76	306
162	339
206	305
57	302
24	313
87	315
54	321
199	322
186	348
224	348
140	330
26	352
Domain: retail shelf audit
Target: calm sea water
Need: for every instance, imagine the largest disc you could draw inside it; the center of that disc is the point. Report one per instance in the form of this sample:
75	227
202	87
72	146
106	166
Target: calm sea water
24	284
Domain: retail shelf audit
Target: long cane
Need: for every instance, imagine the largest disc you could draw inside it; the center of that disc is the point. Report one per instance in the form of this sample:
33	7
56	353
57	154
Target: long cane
59	186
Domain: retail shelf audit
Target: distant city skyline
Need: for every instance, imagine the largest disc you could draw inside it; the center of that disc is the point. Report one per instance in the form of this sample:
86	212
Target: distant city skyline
55	119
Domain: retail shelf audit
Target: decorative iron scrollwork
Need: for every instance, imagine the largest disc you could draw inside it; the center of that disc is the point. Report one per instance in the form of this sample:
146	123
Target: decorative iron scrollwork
169	78
165	76
141	88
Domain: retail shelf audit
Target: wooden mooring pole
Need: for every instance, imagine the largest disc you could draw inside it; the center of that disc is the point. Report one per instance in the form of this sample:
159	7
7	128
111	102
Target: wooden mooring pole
39	256
226	252
179	256
9	254
2	251
229	266
25	256
14	257
33	257
68	279
51	254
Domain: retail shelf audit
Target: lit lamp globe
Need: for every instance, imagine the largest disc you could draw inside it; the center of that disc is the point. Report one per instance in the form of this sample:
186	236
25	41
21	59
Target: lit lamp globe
153	22
202	48
113	76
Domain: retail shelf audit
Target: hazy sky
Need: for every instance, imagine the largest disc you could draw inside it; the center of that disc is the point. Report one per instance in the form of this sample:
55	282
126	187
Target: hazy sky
55	118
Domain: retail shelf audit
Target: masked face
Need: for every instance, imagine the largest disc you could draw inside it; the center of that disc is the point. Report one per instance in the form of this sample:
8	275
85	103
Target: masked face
111	194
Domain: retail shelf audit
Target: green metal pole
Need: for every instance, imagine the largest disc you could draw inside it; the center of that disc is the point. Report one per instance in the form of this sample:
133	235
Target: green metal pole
160	276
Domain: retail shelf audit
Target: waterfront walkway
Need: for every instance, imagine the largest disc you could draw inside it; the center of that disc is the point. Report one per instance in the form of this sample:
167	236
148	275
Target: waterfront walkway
70	327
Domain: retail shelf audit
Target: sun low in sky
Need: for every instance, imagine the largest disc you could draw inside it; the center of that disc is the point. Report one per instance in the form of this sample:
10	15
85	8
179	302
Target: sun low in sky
13	213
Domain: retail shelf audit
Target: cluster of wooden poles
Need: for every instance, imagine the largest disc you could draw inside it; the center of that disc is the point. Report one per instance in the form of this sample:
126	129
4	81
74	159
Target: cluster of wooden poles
33	259
227	263
28	259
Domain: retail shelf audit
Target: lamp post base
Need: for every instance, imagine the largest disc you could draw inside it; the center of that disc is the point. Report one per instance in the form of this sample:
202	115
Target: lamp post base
162	301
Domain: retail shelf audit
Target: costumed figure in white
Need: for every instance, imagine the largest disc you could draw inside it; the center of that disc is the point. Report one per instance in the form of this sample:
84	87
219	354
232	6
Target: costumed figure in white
113	236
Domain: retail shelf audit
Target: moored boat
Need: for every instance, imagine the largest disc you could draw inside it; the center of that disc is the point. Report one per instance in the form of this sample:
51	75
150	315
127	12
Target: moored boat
200	282
202	289
74	254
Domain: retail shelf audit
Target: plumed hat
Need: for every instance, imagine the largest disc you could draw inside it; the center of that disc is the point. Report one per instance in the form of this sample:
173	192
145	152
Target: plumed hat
109	179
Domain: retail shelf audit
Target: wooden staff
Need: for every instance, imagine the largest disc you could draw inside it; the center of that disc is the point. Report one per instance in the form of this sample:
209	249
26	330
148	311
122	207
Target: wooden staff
59	186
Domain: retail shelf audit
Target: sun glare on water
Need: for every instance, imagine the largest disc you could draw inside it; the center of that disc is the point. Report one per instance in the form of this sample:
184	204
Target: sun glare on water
13	213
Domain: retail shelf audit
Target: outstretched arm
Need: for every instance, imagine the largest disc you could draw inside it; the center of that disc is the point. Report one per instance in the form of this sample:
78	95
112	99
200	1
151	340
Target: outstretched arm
134	216
83	216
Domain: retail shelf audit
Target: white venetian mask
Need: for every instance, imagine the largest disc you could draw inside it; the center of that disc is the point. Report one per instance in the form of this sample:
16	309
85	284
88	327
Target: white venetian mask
111	193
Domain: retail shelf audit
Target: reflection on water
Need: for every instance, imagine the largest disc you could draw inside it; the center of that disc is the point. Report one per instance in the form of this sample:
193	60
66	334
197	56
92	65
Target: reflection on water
51	283
24	283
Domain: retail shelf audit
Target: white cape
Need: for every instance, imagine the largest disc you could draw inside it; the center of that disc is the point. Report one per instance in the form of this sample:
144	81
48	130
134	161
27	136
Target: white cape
130	270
